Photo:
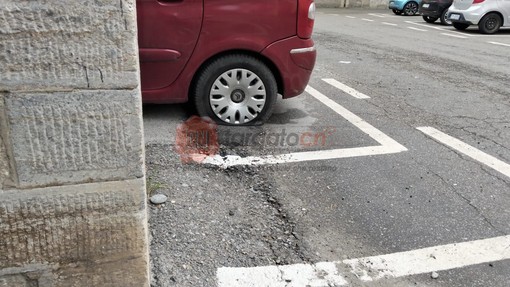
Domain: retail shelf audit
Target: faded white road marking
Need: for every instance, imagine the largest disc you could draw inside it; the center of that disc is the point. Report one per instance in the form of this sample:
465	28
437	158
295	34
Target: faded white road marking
377	15
437	258
455	36
499	44
346	89
468	150
320	274
425	25
352	17
368	20
390	24
417	29
425	260
387	144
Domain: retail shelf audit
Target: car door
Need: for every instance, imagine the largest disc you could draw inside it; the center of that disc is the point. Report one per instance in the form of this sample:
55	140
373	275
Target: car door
168	31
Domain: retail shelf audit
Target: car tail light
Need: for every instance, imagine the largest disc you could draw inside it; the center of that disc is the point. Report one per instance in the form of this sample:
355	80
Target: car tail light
306	18
477	1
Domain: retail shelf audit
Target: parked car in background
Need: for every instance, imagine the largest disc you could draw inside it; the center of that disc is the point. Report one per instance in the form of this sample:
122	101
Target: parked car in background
489	15
230	58
431	10
406	7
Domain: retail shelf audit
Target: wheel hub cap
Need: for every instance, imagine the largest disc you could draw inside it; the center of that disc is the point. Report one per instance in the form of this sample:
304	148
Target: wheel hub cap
237	96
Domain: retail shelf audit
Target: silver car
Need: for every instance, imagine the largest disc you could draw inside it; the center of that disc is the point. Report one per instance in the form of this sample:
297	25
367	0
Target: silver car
489	15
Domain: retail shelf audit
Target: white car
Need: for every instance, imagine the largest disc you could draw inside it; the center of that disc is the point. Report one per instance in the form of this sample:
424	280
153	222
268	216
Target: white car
489	15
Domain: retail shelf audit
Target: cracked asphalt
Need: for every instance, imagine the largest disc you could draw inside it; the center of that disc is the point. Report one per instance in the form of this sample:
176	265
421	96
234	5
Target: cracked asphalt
354	207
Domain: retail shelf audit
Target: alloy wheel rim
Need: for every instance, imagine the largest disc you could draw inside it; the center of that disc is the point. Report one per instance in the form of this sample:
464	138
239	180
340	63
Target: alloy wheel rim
490	24
237	96
411	8
446	20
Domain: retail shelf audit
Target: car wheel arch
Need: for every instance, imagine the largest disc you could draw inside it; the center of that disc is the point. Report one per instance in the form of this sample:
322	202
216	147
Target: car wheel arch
276	72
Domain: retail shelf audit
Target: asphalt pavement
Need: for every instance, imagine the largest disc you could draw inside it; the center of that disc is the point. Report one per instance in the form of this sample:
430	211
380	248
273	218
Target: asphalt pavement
391	170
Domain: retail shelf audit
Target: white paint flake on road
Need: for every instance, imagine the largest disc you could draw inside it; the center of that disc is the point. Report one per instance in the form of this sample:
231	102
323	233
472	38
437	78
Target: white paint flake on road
389	24
468	150
387	144
425	260
350	91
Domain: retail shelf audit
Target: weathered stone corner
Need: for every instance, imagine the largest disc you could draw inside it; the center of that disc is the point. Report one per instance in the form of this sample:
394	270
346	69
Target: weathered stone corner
72	182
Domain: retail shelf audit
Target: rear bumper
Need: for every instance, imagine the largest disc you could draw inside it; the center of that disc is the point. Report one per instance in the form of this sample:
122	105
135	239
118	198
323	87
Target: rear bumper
434	10
471	16
461	19
294	58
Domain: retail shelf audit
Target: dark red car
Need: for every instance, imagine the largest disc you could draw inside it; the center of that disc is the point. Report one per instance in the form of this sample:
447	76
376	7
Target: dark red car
230	57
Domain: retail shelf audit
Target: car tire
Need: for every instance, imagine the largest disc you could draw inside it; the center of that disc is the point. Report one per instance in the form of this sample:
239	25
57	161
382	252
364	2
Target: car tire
490	23
444	18
429	19
235	90
411	8
397	12
460	26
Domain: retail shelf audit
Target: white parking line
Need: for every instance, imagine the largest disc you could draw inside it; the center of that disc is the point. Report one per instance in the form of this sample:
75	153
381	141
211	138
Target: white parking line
352	17
346	89
499	44
455	36
468	150
425	25
390	24
387	144
368	20
417	29
431	259
377	15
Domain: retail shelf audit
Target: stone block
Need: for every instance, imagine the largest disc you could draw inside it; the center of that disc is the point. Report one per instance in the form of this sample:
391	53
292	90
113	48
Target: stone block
75	137
54	44
4	163
81	235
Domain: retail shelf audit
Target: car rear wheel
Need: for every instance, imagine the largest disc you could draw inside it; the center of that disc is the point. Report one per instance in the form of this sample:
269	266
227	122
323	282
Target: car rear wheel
235	90
490	23
411	8
444	18
429	19
397	12
460	26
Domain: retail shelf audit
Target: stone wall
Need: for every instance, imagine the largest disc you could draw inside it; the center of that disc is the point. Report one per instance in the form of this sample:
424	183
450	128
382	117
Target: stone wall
72	186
